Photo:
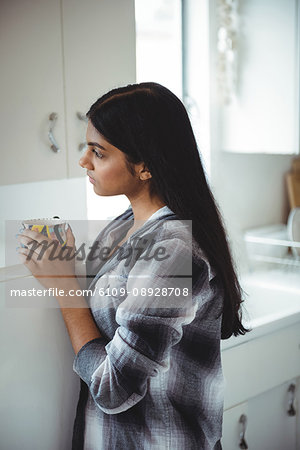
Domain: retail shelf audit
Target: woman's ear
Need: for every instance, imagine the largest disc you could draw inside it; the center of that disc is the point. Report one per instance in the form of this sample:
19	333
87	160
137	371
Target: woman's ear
144	173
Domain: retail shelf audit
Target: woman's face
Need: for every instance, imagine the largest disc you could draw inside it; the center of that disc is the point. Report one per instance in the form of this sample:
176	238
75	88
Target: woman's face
106	166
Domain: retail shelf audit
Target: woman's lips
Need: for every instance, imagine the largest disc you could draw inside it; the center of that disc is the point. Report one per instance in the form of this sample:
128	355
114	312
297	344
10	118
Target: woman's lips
91	179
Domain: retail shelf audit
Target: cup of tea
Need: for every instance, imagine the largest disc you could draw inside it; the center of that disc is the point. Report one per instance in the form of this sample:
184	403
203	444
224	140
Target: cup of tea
55	229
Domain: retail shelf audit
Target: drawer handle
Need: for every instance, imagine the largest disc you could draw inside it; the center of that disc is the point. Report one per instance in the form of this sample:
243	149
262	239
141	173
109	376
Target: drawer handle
243	423
291	406
52	120
82	117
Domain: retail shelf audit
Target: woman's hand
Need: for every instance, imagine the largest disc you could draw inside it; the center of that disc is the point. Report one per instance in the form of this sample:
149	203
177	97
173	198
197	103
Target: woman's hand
49	262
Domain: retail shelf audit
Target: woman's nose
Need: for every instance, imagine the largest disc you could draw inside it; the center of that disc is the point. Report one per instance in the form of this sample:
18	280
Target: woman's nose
85	161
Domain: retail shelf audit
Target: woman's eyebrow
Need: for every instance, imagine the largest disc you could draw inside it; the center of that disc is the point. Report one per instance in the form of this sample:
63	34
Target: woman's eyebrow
95	144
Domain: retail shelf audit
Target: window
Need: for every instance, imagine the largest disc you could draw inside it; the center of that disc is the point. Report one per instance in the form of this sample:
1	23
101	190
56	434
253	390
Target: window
172	48
159	43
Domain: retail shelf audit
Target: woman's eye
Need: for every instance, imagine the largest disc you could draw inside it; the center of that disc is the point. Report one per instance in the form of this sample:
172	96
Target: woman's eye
98	154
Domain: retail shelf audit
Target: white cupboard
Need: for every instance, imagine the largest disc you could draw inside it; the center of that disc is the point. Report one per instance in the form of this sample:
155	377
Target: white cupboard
31	88
272	428
39	389
263	421
262	385
57	56
232	427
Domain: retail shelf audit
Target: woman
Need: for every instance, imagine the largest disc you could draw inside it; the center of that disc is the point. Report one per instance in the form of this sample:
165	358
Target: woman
149	365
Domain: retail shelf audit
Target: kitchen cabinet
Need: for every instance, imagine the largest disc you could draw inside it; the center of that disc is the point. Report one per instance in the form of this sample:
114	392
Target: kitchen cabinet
263	383
39	389
272	428
263	421
31	88
298	412
263	116
58	57
232	427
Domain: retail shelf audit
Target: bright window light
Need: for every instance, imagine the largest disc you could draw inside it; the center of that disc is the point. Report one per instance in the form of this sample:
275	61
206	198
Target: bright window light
159	43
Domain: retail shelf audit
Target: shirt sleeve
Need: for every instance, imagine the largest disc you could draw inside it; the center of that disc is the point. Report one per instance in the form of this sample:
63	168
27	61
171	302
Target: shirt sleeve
150	323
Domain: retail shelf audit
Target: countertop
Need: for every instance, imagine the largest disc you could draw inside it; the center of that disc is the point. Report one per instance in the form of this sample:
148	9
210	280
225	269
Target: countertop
273	302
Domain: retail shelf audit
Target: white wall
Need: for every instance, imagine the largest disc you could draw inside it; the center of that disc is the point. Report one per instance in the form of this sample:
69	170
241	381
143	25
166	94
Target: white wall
251	192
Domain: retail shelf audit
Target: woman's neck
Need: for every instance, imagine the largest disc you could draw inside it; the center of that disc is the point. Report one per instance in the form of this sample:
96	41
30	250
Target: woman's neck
143	207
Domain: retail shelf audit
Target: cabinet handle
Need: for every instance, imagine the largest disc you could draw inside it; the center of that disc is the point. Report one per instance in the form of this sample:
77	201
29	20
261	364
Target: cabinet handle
52	120
243	422
82	117
291	406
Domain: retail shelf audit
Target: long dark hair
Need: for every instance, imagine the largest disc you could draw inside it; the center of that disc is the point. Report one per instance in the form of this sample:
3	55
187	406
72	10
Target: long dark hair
150	124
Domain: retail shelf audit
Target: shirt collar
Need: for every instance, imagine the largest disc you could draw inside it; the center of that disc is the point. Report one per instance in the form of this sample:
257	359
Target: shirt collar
161	212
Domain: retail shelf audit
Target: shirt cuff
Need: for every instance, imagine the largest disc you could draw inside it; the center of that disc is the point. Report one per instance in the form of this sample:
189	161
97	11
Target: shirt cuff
89	357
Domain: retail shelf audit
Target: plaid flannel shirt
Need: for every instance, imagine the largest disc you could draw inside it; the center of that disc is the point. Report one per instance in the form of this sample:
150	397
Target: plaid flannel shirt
154	379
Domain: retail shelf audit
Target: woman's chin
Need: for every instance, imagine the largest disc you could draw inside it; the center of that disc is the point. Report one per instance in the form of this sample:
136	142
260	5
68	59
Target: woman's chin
104	192
101	192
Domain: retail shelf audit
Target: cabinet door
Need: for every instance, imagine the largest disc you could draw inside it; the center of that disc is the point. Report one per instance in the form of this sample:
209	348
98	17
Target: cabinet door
263	118
31	87
271	426
99	54
232	427
298	412
39	389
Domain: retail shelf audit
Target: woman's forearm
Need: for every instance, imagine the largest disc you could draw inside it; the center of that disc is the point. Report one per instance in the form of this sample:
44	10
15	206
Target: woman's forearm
78	318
